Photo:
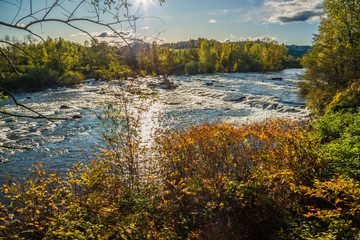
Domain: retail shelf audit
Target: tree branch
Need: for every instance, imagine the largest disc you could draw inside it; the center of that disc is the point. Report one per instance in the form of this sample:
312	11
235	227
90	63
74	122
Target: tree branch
39	115
10	62
21	49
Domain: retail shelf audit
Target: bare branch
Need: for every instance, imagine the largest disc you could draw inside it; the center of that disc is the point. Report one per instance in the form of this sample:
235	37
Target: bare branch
51	119
21	49
39	115
10	62
76	8
21	28
9	3
19	8
47	13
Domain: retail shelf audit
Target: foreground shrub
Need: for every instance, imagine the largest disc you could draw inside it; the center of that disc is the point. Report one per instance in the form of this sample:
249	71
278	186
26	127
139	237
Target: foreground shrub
234	183
340	134
334	205
89	202
268	180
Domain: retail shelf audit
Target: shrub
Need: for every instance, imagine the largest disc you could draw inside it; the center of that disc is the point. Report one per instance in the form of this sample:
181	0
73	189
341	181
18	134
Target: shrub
192	68
37	78
334	205
348	99
102	74
228	181
340	133
71	78
268	180
9	80
89	202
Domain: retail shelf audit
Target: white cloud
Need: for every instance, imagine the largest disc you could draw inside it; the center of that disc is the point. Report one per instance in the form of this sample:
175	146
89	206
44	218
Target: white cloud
255	14
212	21
146	28
109	34
294	10
73	35
232	36
258	38
225	12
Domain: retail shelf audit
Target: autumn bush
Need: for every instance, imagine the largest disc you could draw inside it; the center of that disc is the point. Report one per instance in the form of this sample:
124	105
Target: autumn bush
267	180
88	202
238	182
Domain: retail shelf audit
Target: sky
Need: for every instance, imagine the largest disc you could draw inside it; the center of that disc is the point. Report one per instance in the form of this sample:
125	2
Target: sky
286	21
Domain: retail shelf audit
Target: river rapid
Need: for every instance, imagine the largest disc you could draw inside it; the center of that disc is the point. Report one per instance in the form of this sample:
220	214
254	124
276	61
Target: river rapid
235	97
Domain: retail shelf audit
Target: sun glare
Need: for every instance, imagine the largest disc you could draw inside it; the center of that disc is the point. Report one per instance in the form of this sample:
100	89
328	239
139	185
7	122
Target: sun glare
144	4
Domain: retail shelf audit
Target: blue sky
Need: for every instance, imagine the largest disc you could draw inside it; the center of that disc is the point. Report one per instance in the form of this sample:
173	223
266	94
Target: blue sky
286	21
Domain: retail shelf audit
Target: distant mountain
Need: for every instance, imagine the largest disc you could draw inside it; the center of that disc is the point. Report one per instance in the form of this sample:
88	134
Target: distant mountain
297	51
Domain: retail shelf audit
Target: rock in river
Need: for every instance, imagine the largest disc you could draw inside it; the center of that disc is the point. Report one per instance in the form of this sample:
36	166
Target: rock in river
64	107
76	117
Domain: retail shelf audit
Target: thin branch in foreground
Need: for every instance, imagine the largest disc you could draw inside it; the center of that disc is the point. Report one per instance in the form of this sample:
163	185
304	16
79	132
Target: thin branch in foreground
11	64
39	115
51	119
21	49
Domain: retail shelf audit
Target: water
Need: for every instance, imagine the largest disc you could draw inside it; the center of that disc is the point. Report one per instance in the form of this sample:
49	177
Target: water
237	98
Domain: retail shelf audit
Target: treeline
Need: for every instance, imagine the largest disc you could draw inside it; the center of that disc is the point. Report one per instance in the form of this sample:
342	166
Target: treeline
56	61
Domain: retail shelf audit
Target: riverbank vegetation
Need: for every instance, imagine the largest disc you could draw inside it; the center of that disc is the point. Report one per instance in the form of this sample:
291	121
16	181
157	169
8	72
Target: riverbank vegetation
275	179
60	62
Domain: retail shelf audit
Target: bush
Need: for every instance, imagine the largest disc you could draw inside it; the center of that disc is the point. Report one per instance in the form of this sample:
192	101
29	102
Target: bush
102	74
71	78
230	182
348	99
340	133
8	80
192	68
37	78
267	180
89	202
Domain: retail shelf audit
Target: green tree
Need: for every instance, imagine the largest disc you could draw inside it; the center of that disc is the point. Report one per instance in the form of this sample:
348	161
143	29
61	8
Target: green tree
63	55
334	61
272	55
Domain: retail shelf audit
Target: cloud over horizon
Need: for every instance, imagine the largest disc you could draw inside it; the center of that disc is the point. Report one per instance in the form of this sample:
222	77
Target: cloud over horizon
108	34
295	10
261	38
212	21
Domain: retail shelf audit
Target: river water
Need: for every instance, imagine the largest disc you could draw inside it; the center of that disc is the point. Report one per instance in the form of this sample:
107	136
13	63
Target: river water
235	97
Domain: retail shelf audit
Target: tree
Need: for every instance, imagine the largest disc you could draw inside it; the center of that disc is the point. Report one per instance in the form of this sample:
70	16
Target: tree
334	61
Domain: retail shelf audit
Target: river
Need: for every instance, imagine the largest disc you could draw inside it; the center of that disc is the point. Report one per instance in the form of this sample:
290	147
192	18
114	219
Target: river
234	97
